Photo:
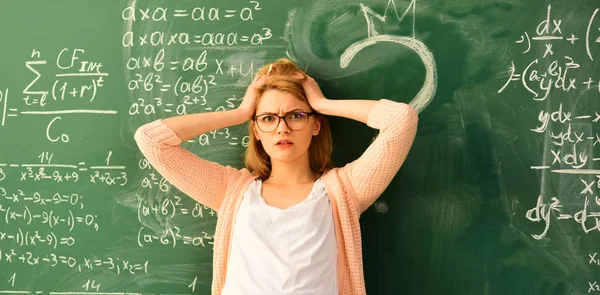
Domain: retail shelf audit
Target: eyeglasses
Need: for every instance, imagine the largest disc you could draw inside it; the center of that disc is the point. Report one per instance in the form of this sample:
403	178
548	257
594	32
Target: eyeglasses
295	121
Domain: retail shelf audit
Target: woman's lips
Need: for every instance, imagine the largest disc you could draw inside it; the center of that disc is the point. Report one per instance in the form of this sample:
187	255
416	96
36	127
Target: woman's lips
284	145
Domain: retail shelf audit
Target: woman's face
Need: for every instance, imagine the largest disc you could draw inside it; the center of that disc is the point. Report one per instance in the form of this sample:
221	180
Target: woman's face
276	102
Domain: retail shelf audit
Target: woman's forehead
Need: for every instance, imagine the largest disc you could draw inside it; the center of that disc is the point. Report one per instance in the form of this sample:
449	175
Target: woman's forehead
280	102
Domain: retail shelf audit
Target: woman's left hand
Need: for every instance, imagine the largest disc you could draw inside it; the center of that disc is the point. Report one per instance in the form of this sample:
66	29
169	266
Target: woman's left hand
313	92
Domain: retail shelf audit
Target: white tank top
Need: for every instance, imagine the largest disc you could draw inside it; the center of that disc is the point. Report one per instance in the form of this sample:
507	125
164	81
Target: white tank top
283	252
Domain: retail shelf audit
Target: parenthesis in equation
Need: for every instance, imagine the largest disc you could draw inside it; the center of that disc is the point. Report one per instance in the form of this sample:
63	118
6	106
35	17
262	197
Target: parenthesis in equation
172	206
528	43
93	94
177	85
140	211
55	240
54	90
205	87
50	219
587	34
72	219
20	237
138	237
524	74
173	235
6	216
30	219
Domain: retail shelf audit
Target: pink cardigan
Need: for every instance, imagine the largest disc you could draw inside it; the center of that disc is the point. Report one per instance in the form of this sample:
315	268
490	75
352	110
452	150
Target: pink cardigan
351	189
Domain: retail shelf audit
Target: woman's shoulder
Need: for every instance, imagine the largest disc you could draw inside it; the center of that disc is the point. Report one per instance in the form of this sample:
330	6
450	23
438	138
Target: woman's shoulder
240	179
332	176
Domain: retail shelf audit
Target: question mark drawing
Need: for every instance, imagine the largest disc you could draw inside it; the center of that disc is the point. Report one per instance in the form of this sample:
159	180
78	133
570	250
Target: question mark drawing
427	92
297	29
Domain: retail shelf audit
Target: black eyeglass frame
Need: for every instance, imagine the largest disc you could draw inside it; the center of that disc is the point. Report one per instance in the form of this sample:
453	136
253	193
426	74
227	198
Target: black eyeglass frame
284	120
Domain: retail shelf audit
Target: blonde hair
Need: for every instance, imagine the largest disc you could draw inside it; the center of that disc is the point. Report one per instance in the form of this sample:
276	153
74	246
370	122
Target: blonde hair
287	76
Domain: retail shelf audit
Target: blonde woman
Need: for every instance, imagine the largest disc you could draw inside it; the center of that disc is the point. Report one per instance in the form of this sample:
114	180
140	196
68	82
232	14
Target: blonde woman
288	223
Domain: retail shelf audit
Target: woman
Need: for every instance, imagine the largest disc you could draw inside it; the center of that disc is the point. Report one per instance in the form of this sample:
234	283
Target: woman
297	229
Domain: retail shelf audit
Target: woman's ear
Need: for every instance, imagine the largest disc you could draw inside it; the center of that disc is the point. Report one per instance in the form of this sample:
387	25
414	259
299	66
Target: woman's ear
256	134
317	128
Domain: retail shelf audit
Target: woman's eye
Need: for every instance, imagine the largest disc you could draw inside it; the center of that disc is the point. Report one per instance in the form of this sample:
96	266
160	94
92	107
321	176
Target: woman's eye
267	118
296	116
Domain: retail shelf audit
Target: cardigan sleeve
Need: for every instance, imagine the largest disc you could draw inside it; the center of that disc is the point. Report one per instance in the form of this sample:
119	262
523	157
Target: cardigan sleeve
202	180
372	172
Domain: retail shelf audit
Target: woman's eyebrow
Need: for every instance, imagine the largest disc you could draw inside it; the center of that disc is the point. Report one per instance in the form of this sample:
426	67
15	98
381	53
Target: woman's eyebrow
292	111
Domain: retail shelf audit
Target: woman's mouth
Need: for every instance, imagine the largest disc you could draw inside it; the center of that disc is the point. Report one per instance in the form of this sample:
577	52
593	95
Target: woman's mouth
284	144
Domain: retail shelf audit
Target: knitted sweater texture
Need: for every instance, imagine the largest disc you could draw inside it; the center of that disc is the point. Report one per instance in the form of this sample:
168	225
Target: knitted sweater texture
351	188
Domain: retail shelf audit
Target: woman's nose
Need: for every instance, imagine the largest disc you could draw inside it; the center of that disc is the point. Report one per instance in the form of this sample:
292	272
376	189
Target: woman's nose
283	127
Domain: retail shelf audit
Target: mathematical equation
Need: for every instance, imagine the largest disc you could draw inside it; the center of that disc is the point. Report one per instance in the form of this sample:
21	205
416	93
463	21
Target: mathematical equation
27	238
562	73
571	136
544	210
117	265
550	29
589	220
159	38
57	198
561	116
568	131
169	208
170	236
79	81
51	218
199	13
198	64
76	68
574	130
38	172
193	90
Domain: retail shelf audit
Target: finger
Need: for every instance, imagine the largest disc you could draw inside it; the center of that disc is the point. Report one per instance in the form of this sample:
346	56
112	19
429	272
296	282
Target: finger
306	80
262	81
309	83
298	75
257	77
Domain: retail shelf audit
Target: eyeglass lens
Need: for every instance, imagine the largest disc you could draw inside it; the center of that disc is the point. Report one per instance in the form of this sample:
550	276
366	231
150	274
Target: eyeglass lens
295	121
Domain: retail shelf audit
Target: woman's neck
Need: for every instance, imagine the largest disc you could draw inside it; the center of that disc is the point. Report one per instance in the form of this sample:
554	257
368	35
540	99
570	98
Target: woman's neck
291	174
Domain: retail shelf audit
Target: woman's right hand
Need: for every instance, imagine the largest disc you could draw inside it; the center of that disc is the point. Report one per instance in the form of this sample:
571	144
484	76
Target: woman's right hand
248	104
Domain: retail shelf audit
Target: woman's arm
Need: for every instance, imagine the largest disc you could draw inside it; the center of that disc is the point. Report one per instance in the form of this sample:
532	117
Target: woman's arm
191	125
372	172
203	180
353	109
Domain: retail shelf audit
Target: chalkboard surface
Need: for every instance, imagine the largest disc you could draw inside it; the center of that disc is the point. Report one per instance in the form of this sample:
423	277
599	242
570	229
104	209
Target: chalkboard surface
499	194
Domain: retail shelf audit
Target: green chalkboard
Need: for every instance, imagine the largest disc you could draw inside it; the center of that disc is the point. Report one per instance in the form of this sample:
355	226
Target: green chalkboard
497	196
